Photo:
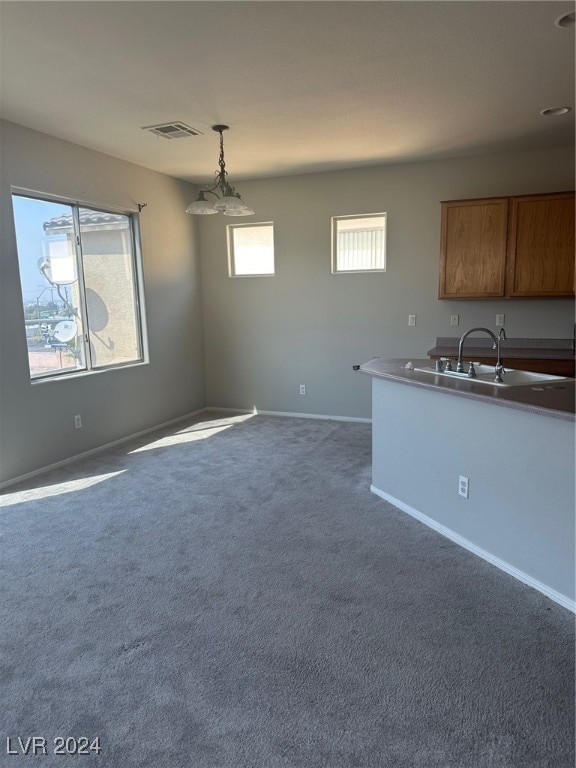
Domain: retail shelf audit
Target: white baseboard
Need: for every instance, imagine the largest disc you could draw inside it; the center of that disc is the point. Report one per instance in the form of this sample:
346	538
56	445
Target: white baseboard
98	449
218	409
257	411
115	443
557	597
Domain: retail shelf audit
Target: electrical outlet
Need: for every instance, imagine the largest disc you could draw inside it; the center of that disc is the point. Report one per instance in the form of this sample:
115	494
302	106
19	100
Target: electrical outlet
77	422
411	319
302	389
463	486
454	319
500	320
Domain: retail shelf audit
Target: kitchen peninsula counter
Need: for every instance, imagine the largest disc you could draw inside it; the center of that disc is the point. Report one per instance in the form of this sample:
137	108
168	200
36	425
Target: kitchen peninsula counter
515	449
555	399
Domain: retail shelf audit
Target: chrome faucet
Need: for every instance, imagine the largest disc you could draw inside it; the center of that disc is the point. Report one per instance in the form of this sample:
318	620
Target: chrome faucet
499	370
497	341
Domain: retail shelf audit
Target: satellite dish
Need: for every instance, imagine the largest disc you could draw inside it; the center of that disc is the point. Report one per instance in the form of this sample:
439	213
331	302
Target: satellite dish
64	331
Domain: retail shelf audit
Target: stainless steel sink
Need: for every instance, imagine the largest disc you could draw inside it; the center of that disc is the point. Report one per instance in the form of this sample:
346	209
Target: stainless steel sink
512	378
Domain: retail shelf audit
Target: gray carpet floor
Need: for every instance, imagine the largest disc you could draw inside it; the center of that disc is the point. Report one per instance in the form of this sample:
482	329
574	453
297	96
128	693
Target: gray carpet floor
229	594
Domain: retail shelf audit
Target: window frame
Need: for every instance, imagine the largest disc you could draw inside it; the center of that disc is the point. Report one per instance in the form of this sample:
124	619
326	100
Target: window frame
334	243
230	228
133	217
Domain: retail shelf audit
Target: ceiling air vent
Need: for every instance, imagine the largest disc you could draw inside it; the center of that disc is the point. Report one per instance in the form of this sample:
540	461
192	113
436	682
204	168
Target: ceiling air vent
175	130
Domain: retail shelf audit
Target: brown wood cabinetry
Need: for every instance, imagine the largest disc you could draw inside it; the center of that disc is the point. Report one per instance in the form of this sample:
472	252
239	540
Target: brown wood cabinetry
473	248
541	246
507	246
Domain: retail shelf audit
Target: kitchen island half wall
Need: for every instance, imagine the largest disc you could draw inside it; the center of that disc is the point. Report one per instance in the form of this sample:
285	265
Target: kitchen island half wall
519	514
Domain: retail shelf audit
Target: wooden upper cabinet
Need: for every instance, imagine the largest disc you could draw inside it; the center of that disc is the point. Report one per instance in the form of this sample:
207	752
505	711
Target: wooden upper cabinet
541	246
511	246
473	248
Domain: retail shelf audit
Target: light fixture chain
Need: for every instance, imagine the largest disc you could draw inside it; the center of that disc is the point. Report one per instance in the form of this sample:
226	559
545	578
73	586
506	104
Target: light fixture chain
231	204
221	161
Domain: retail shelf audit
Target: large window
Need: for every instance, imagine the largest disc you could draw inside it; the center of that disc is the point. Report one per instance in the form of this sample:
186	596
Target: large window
251	249
359	243
80	286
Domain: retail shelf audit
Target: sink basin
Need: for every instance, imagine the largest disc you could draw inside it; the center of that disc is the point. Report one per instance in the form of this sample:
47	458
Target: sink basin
512	378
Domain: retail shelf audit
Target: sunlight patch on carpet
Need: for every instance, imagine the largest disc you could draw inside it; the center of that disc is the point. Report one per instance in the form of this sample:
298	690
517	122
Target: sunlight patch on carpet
200	431
71	486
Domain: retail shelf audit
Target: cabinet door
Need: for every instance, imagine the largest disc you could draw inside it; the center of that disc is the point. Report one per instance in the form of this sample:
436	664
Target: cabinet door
541	246
473	248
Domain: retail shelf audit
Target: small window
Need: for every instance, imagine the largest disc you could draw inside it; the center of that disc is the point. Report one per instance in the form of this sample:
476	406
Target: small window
79	275
359	243
251	249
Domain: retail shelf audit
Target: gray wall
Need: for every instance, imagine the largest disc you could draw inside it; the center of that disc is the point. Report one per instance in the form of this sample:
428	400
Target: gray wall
265	336
262	337
520	468
37	419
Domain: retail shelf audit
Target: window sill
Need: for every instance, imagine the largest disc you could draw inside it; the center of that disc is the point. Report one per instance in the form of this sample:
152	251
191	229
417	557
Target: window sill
83	374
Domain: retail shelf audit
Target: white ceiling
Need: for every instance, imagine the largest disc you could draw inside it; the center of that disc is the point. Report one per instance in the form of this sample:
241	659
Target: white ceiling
304	86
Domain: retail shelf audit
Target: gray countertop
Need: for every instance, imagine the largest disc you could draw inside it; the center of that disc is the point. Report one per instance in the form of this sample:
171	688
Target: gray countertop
527	349
556	400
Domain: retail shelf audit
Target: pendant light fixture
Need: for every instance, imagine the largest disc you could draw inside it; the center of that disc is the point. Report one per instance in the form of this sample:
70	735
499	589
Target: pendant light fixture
228	201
